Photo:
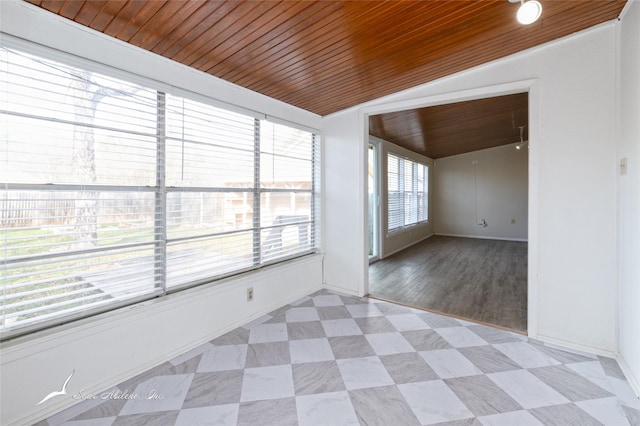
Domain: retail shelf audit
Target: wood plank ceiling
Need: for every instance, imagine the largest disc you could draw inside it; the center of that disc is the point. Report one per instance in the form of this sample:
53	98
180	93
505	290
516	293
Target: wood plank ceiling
328	55
451	129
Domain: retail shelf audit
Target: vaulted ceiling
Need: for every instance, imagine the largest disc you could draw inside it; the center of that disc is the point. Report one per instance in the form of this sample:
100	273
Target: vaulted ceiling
327	55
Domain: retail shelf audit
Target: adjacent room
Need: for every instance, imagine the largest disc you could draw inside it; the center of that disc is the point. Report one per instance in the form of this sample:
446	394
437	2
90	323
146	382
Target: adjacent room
457	175
197	198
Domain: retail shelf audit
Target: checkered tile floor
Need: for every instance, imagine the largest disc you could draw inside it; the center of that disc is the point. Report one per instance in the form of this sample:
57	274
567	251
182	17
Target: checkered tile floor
330	359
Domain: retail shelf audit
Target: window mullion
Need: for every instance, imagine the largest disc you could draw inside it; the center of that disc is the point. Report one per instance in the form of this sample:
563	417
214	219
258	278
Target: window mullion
160	226
257	249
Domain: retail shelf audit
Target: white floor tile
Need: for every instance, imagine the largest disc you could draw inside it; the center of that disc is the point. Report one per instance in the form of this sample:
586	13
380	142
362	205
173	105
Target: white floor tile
406	322
623	391
527	389
526	354
218	415
448	363
389	343
519	418
170	392
257	321
433	402
332	408
593	371
460	337
267	383
310	350
223	358
365	372
606	410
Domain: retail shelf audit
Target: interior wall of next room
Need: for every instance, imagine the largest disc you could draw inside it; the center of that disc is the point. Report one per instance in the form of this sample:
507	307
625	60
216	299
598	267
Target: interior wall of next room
482	194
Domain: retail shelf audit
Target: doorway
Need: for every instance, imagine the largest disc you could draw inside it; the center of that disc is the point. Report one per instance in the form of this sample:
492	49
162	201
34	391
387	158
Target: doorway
463	249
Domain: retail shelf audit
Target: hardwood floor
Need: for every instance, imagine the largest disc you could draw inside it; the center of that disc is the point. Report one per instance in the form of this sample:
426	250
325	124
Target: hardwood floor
482	280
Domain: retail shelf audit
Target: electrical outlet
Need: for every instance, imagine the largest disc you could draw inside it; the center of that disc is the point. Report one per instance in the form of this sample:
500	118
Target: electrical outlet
249	294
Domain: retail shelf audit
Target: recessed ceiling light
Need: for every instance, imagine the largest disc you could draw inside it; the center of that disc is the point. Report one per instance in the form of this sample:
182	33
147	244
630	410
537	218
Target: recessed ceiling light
529	11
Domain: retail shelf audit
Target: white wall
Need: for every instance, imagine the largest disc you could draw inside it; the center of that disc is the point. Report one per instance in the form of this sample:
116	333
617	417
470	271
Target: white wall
109	348
629	195
490	184
572	201
399	240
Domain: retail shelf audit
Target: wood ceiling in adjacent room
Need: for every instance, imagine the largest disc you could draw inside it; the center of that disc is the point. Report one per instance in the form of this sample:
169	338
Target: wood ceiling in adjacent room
327	55
451	129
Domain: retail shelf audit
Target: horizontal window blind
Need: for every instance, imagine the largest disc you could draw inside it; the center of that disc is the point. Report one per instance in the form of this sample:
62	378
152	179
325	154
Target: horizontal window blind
407	192
113	192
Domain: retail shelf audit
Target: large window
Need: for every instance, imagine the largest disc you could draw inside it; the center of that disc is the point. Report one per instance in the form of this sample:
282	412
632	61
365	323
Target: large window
407	192
113	192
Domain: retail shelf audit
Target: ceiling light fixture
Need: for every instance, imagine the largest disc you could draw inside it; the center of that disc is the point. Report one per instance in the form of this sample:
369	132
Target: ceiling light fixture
529	11
522	143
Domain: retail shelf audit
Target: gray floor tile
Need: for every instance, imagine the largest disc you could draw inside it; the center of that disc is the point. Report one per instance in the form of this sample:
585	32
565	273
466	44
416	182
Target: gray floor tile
632	414
569	383
206	389
382	406
407	368
494	335
332	312
345	359
482	396
317	377
350	347
392	308
239	336
280	412
153	419
488	359
563	415
267	354
219	415
611	367
305	330
299	314
371	325
426	340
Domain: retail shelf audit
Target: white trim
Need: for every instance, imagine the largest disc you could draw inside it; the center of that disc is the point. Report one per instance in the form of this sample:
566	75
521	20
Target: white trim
483	237
631	379
625	9
343	290
530	86
574	347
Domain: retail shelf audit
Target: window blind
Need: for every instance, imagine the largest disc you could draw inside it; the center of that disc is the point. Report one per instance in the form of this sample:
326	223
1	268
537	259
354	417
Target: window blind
113	192
407	192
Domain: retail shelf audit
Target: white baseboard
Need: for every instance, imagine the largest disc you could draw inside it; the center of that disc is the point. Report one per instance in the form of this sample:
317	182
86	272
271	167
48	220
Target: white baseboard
406	246
574	347
634	382
483	237
338	289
